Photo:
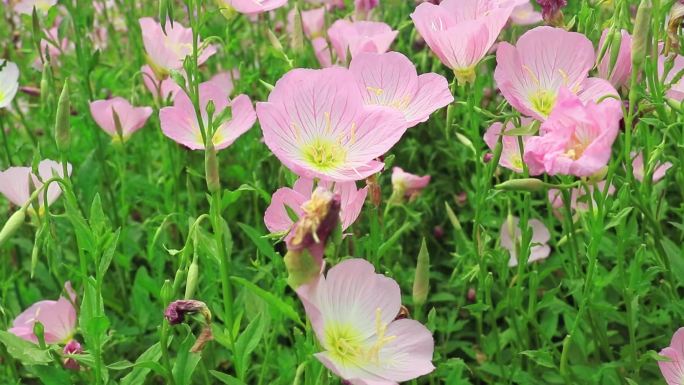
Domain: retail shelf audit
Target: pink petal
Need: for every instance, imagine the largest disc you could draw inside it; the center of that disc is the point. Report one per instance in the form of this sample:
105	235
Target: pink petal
243	118
276	217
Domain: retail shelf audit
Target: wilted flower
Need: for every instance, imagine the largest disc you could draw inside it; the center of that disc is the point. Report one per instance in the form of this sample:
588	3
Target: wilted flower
390	79
14	182
320	215
540	236
353	312
545	59
316	124
131	119
576	139
26	6
177	310
360	36
551	9
179	122
57	317
461	32
362	8
673	370
408	185
511	154
73	347
249	7
9	82
640	172
166	51
618	74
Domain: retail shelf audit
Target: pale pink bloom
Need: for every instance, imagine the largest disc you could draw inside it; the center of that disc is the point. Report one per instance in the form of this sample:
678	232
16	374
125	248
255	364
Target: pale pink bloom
131	118
251	7
163	89
9	82
525	14
52	46
363	8
619	76
26	6
576	139
640	172
579	201
511	156
360	36
408	184
673	370
14	182
353	312
313	22
676	90
179	122
540	237
390	79
322	51
58	319
277	219
166	51
545	59
315	122
461	32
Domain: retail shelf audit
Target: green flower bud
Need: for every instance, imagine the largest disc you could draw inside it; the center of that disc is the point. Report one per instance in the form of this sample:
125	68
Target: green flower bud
421	282
12	225
191	281
62	137
641	35
526	184
211	168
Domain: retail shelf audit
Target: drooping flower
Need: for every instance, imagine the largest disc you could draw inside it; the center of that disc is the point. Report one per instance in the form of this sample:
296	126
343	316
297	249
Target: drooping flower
673	370
390	79
58	319
9	82
249	7
26	6
14	182
72	347
640	172
461	32
353	312
277	219
177	310
166	51
551	9
511	155
360	36
540	236
545	59
316	124
576	139
525	14
179	122
407	185
362	8
131	118
164	89
617	75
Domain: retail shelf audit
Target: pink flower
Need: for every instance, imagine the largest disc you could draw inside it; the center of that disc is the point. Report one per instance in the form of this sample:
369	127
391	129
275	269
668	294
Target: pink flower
9	82
524	14
26	6
360	36
511	156
313	22
14	182
579	201
545	59
179	122
620	73
131	118
676	90
316	124
353	312
163	89
640	173
461	32
278	220
322	51
576	139
673	370
329	4
166	51
540	236
390	79
48	47
363	8
250	7
407	184
58	319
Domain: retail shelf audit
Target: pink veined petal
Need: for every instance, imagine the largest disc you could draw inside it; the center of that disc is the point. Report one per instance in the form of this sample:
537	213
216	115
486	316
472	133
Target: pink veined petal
512	80
524	14
14	184
466	51
377	131
58	319
47	169
433	94
351	371
243	118
180	125
131	118
595	89
165	89
224	81
352	202
673	371
677	342
276	217
322	51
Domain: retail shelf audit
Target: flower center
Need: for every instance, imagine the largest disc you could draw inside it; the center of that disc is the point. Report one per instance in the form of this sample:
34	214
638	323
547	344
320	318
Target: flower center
543	102
324	154
346	345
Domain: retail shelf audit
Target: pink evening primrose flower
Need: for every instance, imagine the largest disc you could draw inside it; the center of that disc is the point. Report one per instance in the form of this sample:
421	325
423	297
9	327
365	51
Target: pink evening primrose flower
179	122
313	22
576	139
166	51
131	118
14	182
363	8
540	237
579	201
545	59
390	79
673	370
676	91
162	89
322	51
640	172
277	219
353	312
315	122
511	156
360	36
26	6
619	75
461	32
525	14
407	184
9	82
58	319
250	7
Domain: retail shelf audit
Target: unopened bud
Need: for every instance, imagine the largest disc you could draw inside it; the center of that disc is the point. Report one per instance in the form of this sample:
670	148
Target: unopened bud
12	225
471	296
211	168
62	135
191	282
374	191
73	347
526	184
166	292
297	41
421	282
487	157
273	39
641	36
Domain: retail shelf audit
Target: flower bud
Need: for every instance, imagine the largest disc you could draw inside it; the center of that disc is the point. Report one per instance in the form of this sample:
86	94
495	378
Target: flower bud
374	191
297	36
62	137
191	282
12	225
421	282
166	292
641	36
73	347
211	168
526	184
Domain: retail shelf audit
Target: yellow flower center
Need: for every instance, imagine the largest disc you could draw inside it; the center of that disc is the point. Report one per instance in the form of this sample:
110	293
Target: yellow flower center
543	102
516	161
324	154
465	75
346	345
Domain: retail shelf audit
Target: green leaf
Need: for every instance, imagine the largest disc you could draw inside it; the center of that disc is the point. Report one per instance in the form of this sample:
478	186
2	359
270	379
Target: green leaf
261	243
540	357
23	351
616	219
51	375
226	378
139	373
275	302
186	361
248	341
